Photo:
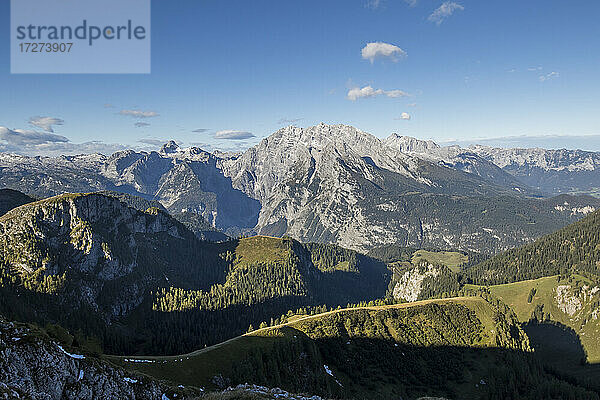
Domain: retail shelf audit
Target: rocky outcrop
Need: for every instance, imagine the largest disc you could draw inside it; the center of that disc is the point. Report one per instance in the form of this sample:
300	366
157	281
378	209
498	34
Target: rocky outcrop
35	367
566	301
408	287
84	226
571	300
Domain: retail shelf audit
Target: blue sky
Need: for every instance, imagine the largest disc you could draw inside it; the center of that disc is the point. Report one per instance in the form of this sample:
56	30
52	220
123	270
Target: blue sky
480	70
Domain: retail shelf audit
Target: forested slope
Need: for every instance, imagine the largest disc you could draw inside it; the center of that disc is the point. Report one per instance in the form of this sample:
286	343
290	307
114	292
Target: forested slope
573	249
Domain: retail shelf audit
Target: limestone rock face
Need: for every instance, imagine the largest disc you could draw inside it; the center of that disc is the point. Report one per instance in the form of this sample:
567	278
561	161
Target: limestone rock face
33	367
93	239
409	285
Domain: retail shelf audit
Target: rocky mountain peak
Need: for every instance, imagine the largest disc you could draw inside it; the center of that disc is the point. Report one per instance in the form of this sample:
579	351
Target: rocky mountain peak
170	147
407	144
320	136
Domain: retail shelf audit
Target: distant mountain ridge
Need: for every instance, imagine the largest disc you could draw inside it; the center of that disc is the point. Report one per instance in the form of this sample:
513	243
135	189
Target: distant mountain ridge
551	172
328	184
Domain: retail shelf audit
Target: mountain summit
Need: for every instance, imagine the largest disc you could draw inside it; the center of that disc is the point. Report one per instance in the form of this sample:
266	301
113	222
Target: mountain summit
170	147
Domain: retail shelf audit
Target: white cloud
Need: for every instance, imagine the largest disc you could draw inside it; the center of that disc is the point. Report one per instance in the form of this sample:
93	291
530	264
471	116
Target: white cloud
200	130
374	4
153	142
368	91
286	121
376	50
46	123
233	135
141	124
444	11
551	75
230	147
138	113
404	116
394	93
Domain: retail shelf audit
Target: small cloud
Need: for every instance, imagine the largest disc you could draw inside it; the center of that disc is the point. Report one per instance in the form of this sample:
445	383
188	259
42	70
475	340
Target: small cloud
444	11
533	69
108	105
547	77
374	4
510	71
394	93
153	142
412	105
375	50
200	130
404	116
141	124
222	149
198	144
233	135
368	91
284	121
46	123
138	113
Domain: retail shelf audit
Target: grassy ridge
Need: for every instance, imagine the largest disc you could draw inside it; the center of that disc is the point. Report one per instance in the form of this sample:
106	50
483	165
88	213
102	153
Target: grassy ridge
261	249
223	355
451	259
577	289
452	344
560	315
453	348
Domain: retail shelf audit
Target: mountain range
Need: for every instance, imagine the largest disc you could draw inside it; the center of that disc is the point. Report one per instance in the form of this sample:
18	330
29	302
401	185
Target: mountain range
125	277
337	184
551	172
